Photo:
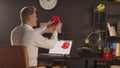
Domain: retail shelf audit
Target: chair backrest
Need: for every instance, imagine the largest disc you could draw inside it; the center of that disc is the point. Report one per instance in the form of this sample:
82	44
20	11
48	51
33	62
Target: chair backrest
13	57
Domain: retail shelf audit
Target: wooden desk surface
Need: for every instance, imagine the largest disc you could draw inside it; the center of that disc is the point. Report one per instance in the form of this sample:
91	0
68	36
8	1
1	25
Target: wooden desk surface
77	58
66	58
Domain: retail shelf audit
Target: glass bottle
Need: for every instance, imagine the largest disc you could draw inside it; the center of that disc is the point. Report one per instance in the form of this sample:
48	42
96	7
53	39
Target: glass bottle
99	45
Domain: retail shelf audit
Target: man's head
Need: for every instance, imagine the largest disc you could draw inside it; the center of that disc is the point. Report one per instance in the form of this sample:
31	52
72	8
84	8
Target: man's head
28	15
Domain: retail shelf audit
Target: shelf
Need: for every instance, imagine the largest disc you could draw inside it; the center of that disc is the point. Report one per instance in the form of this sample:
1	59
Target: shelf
113	15
113	39
108	2
102	23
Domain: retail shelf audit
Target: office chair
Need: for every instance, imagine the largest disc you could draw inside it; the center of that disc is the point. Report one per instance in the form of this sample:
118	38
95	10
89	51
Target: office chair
13	57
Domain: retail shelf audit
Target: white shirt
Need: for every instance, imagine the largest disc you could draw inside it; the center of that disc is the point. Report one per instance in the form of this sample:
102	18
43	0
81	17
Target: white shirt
32	39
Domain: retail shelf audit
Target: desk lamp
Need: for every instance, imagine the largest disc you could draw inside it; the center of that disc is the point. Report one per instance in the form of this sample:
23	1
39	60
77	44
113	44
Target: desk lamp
99	43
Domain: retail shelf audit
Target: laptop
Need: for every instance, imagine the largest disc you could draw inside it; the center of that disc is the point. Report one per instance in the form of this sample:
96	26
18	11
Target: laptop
62	48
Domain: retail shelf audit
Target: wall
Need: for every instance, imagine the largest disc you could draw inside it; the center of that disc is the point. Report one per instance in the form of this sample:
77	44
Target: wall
76	16
77	20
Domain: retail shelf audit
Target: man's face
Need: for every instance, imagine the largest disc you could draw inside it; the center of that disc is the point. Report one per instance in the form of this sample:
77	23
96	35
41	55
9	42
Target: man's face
33	19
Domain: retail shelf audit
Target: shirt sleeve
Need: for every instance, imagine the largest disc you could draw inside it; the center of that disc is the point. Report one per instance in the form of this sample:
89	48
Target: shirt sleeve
41	30
40	41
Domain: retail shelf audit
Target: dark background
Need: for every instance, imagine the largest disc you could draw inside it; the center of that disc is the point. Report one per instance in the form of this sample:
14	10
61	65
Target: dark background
76	16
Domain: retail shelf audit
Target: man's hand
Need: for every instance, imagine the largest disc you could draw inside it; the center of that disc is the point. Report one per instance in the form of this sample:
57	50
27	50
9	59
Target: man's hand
57	27
50	24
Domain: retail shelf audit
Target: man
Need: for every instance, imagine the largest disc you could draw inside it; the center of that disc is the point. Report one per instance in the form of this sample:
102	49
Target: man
32	38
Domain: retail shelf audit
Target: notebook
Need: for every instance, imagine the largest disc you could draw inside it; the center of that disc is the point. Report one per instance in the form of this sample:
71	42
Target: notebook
62	47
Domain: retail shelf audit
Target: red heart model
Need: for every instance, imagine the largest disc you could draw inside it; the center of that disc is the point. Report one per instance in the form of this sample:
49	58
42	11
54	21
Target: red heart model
56	19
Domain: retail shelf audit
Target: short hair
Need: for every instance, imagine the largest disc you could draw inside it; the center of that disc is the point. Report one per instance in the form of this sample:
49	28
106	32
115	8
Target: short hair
25	12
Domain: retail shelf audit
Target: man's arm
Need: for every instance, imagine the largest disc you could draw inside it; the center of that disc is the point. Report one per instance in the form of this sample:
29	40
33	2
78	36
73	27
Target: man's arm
43	29
40	41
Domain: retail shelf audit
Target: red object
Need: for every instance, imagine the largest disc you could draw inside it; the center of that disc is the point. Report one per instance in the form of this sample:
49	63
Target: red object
65	45
107	56
56	19
113	53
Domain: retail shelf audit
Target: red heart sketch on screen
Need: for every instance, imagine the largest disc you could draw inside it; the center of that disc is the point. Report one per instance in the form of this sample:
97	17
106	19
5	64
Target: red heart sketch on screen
65	45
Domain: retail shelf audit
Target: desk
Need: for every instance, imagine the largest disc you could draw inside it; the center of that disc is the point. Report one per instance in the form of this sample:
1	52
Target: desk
68	58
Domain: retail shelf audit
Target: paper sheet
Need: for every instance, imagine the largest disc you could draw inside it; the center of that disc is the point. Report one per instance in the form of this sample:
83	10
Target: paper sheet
58	48
111	30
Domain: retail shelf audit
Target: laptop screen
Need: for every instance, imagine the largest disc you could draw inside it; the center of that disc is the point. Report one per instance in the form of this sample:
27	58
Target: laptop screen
62	47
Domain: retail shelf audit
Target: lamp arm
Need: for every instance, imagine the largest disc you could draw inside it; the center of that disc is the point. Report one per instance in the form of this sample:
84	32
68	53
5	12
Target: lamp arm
90	34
